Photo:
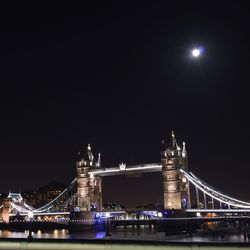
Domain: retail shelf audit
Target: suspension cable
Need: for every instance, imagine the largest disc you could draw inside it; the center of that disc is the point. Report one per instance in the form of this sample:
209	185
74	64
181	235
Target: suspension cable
219	197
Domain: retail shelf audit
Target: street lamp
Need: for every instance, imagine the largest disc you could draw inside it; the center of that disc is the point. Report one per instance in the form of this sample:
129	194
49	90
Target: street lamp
107	224
159	214
30	218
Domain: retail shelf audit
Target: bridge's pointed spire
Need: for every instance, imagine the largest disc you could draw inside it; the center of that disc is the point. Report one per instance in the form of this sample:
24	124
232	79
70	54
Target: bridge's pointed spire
174	143
184	151
90	154
163	146
99	160
79	156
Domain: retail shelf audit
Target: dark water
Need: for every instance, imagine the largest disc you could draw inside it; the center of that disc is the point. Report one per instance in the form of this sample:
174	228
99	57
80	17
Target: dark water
128	234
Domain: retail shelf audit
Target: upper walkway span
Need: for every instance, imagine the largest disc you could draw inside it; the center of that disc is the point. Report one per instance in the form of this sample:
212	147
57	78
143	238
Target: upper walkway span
123	169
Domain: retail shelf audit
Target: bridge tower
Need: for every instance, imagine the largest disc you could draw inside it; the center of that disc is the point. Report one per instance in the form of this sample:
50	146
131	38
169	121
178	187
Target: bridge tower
6	210
175	185
89	188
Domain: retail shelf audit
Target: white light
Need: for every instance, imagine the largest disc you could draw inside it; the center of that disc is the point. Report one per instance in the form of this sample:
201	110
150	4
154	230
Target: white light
30	214
107	215
153	166
159	214
122	166
196	52
198	214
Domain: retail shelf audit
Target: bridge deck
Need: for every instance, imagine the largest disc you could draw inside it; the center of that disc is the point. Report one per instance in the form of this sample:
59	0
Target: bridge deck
135	169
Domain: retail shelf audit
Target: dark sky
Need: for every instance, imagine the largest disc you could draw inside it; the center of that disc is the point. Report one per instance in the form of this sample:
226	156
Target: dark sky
119	75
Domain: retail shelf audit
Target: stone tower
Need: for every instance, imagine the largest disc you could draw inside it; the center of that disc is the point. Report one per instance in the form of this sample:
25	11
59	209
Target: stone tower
89	188
175	185
6	210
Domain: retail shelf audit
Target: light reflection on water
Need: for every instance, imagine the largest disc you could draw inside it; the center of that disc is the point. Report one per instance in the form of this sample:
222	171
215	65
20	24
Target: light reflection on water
122	234
53	234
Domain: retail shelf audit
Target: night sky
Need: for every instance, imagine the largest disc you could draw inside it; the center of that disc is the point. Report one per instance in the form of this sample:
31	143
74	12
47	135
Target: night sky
119	76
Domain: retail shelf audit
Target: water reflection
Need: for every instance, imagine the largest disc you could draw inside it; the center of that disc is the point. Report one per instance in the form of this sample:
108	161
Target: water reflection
128	234
100	235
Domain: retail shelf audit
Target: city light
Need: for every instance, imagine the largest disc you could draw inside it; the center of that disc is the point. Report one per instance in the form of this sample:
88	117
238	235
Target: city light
159	214
30	215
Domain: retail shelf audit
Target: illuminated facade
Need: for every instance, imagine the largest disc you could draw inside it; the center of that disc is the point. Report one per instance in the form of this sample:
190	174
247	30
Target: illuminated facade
89	187
44	195
6	211
175	185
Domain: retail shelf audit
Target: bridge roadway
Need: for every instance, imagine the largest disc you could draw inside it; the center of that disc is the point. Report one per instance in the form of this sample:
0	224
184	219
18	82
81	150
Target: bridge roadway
111	212
192	210
123	169
43	214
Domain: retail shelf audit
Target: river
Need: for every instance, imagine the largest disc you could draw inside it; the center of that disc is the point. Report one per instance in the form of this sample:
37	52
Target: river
128	234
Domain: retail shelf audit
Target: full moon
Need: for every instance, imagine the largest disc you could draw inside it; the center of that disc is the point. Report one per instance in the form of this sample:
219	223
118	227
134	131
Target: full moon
196	52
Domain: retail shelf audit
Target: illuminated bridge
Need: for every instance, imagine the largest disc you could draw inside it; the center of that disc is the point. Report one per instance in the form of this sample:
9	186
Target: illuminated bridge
83	197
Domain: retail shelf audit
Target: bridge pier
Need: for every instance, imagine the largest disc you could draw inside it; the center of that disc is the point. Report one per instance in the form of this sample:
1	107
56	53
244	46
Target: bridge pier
82	220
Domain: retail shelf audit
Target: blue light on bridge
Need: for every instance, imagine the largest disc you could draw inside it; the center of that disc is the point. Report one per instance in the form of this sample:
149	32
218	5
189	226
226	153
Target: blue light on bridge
102	215
184	203
152	213
77	209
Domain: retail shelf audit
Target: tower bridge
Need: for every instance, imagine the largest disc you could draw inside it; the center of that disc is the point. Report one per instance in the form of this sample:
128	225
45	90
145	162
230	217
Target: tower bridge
175	185
83	198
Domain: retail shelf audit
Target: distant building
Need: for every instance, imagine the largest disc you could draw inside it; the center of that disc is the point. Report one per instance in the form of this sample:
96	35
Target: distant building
44	195
150	207
113	206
